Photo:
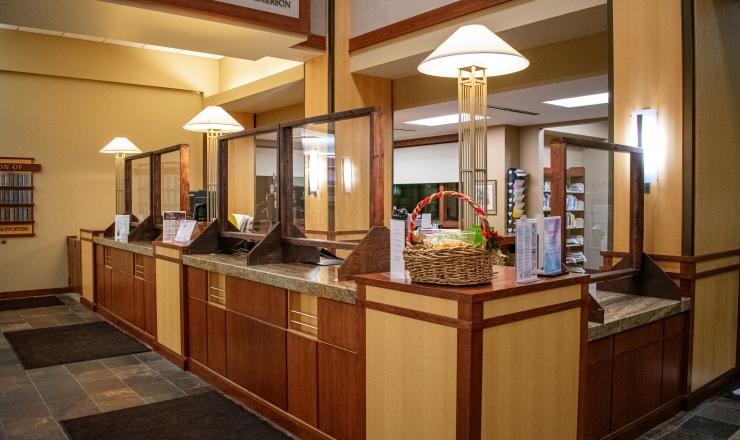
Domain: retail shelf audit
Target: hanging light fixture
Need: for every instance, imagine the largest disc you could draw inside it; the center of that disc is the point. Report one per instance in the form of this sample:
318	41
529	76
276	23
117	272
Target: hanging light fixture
120	146
215	122
472	54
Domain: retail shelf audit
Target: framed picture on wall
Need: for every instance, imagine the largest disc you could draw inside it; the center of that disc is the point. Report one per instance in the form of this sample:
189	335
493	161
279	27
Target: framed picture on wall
491	197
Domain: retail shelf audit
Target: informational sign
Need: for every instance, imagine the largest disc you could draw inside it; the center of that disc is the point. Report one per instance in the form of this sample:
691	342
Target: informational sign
16	230
171	224
526	250
289	8
186	230
398	241
552	246
122	227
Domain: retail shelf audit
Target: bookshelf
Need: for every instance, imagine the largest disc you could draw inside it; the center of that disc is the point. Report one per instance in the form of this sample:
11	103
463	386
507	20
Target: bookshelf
575	207
17	196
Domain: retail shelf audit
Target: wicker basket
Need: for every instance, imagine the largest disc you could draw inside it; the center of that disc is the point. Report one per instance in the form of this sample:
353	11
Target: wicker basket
460	266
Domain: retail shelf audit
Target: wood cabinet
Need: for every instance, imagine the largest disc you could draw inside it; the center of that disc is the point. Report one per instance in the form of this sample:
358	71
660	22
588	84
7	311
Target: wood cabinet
259	301
633	373
339	393
198	330
217	339
303	378
74	264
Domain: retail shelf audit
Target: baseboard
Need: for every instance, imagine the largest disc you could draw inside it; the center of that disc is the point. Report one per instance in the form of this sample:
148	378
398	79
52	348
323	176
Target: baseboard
38	292
708	390
170	355
265	409
87	304
136	332
648	421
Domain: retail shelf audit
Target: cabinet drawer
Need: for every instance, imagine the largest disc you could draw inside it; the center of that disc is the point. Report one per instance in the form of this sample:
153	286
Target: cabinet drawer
638	337
259	301
339	324
122	261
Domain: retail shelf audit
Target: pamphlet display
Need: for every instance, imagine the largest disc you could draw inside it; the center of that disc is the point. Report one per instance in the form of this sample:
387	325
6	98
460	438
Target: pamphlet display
398	242
122	227
171	224
526	250
185	232
552	245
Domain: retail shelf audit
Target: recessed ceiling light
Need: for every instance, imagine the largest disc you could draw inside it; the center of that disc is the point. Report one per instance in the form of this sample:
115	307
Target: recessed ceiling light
123	43
439	120
161	48
9	26
581	101
83	37
40	31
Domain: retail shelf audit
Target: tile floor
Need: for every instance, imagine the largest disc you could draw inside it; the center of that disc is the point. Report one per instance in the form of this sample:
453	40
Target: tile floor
32	402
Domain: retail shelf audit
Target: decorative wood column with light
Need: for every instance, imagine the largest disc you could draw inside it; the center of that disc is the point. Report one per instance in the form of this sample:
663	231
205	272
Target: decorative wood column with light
121	147
472	54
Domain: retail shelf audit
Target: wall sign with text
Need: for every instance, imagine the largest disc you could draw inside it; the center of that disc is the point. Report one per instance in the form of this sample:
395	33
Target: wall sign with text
289	8
16	196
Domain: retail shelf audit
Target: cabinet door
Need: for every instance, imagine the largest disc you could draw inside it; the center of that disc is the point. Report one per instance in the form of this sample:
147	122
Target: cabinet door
256	358
598	400
303	378
149	269
672	367
340	407
123	296
217	339
150	308
198	330
108	291
259	301
138	300
637	384
100	284
197	283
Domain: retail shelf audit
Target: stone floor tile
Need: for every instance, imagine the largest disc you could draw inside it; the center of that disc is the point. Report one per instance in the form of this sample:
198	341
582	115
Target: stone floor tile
68	319
84	367
18	394
94	319
199	390
104	385
163	397
8	357
58	310
71	408
710	427
68	301
63	391
153	388
44	321
10	377
131	370
149	356
27	313
685	434
9	314
120	361
117	399
162	364
7	328
48	372
33	410
722	413
44	428
728	402
94	376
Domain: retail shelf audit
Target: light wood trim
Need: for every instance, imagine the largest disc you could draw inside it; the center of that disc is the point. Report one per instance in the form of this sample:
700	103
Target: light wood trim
706	266
521	303
303	312
715	310
432	140
168	305
428	304
411	380
217	288
168	252
669	266
531	378
87	235
88	270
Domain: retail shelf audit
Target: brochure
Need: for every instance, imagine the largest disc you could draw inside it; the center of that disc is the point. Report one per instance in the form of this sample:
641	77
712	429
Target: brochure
185	232
171	224
552	245
122	227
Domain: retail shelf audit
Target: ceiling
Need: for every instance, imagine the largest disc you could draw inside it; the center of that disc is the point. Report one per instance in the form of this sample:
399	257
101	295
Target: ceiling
278	97
530	99
140	25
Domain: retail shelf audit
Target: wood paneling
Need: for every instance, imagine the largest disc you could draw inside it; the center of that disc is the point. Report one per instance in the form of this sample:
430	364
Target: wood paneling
340	407
138	303
637	384
122	261
108	291
600	350
169	331
88	271
422	303
100	284
150	269
339	324
432	140
303	312
542	354
672	386
242	174
647	66
150	308
259	301
637	337
598	400
303	378
198	330
123	296
216	339
520	303
236	348
100	254
197	283
411	381
715	311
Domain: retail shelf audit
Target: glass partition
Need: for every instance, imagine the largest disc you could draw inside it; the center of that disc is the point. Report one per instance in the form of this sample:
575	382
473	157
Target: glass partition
170	181
141	188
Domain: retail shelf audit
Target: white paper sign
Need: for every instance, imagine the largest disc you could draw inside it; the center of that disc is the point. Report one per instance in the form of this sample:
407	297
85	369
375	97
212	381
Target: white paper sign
171	220
526	251
426	221
122	227
398	241
289	8
552	246
186	230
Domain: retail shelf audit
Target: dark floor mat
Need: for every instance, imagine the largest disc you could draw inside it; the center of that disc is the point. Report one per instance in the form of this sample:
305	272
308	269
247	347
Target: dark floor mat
29	303
45	347
203	417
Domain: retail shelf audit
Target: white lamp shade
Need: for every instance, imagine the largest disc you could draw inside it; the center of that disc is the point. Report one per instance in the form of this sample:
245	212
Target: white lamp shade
213	118
120	145
473	45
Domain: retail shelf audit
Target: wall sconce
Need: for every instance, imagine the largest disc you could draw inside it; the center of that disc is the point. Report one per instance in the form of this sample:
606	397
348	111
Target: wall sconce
313	171
347	173
645	135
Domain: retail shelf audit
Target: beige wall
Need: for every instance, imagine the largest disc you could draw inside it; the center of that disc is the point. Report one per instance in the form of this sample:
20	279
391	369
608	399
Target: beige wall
63	123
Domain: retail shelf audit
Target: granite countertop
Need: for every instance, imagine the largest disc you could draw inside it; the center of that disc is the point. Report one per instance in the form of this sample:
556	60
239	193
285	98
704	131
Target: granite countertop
137	247
623	312
310	279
